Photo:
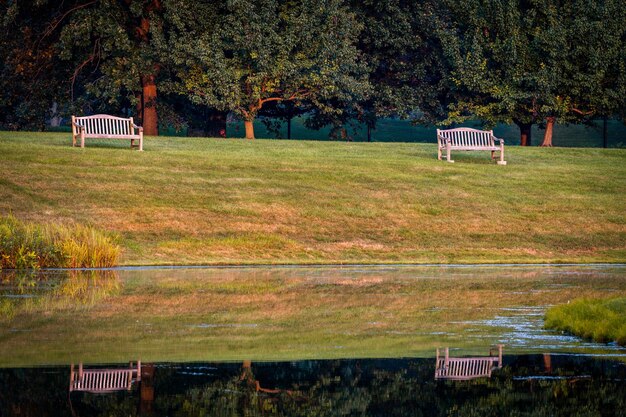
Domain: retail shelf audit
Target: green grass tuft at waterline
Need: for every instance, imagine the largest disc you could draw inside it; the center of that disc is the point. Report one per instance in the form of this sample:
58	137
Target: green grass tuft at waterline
29	245
230	201
599	320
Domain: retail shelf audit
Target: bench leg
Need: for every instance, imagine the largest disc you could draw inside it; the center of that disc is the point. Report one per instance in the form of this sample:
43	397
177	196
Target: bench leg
82	139
73	140
141	140
493	155
448	154
439	152
501	161
132	143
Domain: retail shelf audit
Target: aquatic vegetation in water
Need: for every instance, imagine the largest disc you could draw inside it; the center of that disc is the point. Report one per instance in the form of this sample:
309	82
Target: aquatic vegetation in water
29	246
602	320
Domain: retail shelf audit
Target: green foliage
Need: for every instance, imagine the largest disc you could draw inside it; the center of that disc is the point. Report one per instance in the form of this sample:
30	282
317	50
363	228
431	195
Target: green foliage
32	77
406	64
266	50
337	61
600	320
102	44
525	61
27	245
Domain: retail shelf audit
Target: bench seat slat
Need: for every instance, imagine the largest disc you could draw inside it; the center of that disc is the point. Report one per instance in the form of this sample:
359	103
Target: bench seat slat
111	136
474	148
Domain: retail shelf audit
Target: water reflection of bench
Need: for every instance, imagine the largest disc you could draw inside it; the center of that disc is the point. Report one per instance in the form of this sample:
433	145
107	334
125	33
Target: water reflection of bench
101	381
462	369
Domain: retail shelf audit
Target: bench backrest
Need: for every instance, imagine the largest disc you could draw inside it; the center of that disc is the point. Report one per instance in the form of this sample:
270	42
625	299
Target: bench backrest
103	380
103	124
464	368
465	136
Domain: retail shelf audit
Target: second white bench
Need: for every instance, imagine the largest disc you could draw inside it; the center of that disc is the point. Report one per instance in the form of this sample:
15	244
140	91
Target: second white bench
467	139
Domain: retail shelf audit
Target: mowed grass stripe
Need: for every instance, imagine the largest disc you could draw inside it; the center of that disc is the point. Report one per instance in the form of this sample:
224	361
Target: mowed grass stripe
216	201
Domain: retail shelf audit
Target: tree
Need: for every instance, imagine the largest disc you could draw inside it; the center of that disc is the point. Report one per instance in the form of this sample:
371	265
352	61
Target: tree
110	45
406	69
491	64
32	78
530	61
406	66
589	74
265	51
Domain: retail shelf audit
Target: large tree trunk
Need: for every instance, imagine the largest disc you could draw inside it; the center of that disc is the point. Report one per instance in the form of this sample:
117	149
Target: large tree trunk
148	81
249	125
150	120
525	130
547	137
216	124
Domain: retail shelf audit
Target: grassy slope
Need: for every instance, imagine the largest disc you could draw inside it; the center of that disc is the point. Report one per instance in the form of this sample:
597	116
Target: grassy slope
599	320
230	201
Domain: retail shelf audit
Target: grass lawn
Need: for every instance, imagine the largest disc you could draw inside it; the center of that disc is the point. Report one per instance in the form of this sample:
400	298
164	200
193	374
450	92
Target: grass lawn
599	320
228	201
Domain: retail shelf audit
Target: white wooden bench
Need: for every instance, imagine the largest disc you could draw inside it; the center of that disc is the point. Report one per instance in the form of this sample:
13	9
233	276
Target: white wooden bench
466	139
103	126
463	369
100	381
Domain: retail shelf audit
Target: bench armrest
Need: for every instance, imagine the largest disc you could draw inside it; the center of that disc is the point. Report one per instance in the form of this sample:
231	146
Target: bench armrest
78	125
498	139
443	140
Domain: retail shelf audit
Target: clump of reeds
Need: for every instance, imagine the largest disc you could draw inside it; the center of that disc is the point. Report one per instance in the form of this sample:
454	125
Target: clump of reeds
28	245
602	320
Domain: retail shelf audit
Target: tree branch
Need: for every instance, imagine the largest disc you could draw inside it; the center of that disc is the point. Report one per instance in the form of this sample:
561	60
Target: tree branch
582	113
55	23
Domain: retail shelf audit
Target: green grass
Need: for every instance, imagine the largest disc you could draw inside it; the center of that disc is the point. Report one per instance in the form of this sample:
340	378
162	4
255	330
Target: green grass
30	245
212	201
601	320
280	313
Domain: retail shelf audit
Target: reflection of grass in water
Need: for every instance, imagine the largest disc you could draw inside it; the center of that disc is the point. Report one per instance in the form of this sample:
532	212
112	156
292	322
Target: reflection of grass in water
25	292
601	320
295	313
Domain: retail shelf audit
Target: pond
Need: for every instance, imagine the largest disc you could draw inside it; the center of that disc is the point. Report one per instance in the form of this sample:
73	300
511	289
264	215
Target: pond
305	340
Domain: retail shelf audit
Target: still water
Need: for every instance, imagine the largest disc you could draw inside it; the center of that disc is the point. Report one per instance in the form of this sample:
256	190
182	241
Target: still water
534	385
304	341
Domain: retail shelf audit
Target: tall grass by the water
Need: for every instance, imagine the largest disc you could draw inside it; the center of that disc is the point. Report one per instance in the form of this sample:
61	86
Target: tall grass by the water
599	320
29	245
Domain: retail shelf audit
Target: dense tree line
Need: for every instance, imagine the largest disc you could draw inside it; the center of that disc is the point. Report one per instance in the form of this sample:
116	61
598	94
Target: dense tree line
182	62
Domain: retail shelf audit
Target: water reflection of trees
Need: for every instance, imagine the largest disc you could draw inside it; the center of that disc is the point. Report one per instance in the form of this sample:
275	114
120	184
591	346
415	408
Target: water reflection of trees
41	291
574	386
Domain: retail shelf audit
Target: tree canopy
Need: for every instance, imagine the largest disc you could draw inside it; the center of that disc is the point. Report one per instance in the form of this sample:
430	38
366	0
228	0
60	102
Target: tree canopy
181	62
